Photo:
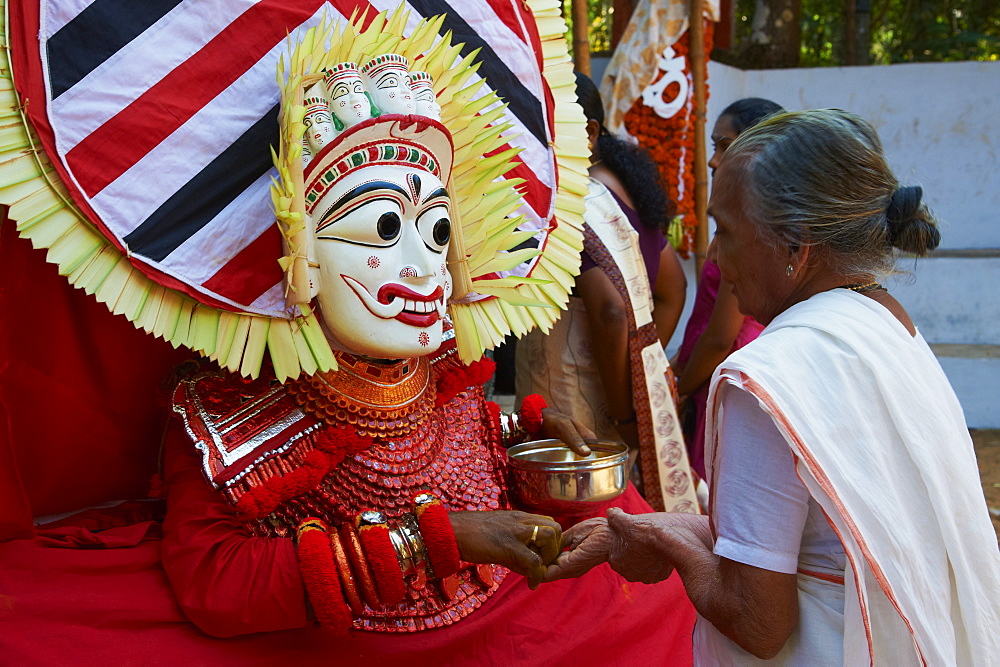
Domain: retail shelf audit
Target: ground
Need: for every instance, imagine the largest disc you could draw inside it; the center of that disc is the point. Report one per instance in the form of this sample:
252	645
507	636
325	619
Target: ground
987	444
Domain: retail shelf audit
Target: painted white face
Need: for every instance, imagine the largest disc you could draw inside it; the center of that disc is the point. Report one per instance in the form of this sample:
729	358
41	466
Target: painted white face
319	129
348	100
382	246
424	100
391	90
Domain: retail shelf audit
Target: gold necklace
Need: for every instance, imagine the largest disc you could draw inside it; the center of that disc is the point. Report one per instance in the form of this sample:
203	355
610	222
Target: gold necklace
381	400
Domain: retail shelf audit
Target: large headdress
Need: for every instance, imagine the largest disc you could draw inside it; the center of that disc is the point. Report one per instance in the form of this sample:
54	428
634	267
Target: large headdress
466	150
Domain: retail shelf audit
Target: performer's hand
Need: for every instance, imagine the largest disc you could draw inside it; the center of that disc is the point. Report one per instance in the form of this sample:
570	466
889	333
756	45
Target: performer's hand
644	546
505	538
562	427
588	543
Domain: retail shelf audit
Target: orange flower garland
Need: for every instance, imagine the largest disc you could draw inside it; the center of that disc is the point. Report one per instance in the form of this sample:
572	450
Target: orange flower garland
668	139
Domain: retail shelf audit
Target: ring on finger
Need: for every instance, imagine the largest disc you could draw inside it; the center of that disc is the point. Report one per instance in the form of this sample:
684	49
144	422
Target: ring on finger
534	534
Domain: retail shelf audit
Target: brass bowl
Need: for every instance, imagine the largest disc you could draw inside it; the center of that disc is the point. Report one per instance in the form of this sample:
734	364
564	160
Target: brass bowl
549	478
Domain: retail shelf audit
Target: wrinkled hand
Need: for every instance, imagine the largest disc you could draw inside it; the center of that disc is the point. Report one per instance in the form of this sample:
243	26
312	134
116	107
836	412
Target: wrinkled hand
642	545
588	543
504	538
562	427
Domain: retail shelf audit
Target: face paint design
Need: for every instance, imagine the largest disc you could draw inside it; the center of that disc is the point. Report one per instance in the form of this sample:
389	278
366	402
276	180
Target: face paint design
382	236
318	120
388	81
348	100
423	95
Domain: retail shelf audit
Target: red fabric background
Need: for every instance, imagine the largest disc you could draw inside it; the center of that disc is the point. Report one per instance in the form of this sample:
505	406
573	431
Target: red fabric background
81	407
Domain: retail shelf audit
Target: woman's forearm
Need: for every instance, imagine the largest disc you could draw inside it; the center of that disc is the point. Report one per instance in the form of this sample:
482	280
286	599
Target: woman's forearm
757	609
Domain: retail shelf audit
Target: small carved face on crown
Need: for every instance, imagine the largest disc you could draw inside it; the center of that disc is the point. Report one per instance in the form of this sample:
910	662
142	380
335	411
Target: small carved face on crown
318	121
348	99
388	82
423	95
382	236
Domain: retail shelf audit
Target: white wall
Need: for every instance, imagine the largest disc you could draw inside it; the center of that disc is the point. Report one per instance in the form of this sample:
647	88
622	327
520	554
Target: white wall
940	124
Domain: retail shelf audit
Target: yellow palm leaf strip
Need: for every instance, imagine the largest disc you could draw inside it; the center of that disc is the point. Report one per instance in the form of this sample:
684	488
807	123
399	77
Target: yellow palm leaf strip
422	39
504	261
446	63
98	269
12	136
113	284
134	294
305	356
282	350
487	246
467	340
74	248
228	323
488	333
150	309
182	333
47	226
458	102
204	329
495	240
488	140
234	360
318	343
517	318
253	355
18	169
512	296
165	325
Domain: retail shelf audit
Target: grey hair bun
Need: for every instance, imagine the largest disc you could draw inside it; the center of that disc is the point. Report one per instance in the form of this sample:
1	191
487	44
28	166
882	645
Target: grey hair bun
909	225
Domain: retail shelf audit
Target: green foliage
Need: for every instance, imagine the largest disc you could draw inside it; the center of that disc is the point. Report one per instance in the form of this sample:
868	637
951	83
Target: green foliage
935	30
600	13
901	30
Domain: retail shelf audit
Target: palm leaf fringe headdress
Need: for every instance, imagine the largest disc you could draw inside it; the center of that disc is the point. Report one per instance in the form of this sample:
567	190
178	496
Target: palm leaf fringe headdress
496	304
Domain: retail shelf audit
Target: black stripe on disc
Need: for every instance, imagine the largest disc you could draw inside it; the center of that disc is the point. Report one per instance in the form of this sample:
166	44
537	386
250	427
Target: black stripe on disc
202	198
96	34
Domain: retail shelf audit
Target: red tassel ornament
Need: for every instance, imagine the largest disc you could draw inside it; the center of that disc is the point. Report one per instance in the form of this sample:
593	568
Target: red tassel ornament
319	574
373	532
439	537
531	414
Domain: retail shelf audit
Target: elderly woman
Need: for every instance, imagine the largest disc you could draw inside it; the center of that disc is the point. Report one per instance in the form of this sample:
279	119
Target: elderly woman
847	524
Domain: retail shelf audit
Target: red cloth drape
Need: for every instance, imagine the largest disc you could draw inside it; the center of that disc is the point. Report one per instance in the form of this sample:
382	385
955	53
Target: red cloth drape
81	406
114	605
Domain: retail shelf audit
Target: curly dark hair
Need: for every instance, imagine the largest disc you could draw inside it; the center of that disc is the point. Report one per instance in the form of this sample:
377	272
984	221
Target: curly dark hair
631	163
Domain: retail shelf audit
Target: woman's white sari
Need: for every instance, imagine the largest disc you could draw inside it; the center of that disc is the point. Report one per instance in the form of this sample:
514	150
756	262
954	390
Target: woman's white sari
880	442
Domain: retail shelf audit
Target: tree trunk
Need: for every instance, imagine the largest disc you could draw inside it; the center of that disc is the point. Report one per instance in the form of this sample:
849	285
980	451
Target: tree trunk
776	35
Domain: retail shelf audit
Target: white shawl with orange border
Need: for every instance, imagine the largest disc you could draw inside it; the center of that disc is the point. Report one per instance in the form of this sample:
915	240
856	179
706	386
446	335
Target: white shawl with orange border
880	441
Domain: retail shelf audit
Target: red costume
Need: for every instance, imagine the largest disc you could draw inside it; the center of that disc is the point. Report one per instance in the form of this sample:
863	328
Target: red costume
108	599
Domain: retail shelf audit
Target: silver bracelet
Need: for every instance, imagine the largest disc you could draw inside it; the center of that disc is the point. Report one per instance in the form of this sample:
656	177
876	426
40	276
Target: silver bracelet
408	544
511	431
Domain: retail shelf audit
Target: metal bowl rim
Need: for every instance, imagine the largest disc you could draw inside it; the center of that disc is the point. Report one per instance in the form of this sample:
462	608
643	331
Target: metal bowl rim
618	455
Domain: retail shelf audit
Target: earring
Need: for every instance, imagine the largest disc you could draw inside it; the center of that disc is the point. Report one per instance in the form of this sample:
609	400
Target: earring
789	270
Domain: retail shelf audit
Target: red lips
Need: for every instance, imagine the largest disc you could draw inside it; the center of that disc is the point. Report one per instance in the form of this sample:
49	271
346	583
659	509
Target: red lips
391	291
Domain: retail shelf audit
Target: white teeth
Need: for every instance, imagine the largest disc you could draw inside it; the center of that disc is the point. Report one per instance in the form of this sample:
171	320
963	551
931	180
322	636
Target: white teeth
418	306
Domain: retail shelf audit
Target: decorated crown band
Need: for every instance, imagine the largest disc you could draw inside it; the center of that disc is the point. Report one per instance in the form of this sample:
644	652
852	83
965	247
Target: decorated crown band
392	132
